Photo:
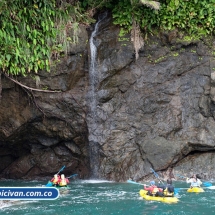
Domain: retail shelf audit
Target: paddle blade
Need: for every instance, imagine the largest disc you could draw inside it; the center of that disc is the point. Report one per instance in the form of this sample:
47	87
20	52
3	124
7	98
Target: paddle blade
176	190
133	182
49	184
180	176
207	184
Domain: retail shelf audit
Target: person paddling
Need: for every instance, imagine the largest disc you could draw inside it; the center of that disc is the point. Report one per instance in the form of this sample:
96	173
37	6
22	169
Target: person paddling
55	180
194	181
63	181
153	190
168	189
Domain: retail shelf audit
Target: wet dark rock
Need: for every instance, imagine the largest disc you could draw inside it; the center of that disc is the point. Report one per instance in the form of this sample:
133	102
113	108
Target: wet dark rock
156	112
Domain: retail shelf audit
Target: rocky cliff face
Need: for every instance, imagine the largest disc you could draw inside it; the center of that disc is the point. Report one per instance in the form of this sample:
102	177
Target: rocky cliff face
157	111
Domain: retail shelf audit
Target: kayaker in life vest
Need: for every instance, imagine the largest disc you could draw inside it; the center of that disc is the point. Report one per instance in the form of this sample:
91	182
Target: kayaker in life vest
194	181
153	190
55	181
168	189
63	181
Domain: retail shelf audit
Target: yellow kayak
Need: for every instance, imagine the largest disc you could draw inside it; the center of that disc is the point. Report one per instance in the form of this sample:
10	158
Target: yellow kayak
195	190
143	193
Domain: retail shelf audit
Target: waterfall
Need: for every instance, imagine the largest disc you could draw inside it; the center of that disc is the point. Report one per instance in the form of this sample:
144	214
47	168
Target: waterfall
93	71
93	102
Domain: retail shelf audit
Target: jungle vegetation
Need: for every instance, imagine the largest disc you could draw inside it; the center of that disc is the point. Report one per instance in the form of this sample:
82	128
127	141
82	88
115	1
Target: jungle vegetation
33	32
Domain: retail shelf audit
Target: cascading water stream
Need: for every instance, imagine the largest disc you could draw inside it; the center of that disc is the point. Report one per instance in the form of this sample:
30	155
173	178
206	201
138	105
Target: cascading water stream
93	72
93	102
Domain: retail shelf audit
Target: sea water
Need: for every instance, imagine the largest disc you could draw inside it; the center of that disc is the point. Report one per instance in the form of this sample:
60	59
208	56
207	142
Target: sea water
97	197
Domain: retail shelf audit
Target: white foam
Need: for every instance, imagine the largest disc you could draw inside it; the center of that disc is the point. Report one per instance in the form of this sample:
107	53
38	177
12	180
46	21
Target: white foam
9	203
94	181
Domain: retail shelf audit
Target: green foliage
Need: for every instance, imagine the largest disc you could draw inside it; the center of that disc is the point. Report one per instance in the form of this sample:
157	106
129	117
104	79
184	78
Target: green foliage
127	11
31	32
193	17
25	28
34	31
122	14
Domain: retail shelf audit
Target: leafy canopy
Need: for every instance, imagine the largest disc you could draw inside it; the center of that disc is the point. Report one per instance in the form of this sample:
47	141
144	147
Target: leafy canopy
191	16
31	31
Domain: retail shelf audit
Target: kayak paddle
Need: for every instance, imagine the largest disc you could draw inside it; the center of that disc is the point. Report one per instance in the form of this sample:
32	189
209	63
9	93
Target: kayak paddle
180	176
60	170
157	176
134	182
72	176
207	184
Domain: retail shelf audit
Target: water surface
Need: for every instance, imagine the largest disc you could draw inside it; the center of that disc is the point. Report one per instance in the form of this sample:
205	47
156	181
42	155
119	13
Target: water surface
93	197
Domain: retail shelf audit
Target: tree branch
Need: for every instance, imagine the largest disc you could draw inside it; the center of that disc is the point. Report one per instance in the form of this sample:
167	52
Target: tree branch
30	88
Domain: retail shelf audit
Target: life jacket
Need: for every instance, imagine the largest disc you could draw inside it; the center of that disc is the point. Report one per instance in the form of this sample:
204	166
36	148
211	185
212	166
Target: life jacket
155	190
55	180
63	182
168	192
195	183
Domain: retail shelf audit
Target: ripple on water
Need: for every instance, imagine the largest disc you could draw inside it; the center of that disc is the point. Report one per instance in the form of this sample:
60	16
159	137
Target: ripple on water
97	197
